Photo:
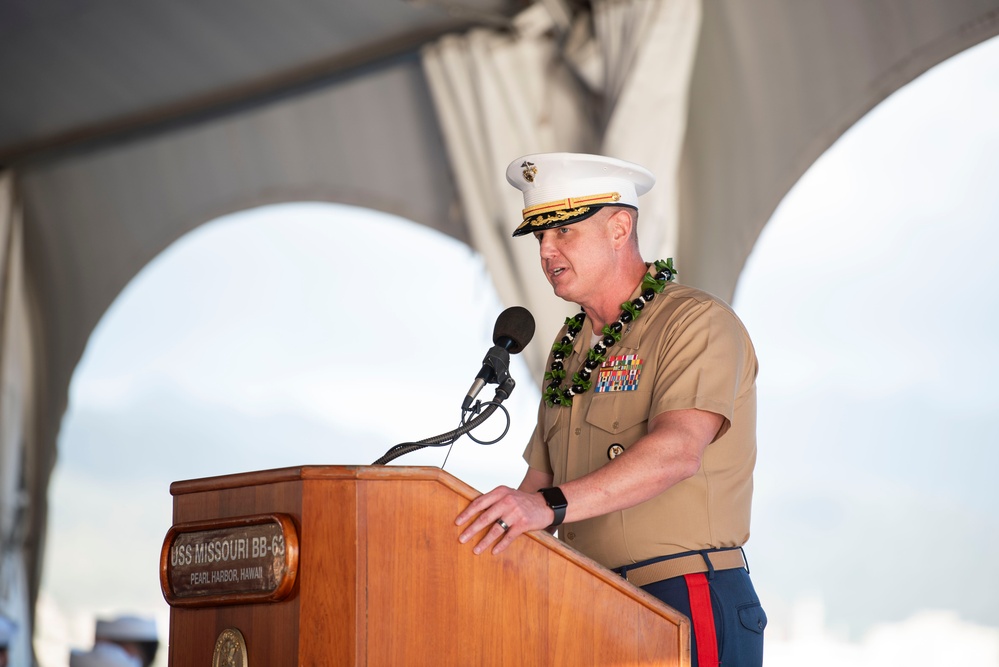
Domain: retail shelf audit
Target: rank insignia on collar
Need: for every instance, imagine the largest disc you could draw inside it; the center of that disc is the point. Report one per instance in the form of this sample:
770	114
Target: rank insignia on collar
620	373
529	171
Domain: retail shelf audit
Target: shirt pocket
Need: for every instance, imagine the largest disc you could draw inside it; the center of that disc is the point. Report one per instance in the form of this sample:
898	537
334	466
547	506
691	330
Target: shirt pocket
616	419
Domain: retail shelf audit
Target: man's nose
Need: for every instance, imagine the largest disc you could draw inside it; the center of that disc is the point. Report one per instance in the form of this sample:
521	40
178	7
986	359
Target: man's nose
547	248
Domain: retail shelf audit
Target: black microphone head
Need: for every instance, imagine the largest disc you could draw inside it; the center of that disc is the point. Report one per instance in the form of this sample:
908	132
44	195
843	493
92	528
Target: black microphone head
514	329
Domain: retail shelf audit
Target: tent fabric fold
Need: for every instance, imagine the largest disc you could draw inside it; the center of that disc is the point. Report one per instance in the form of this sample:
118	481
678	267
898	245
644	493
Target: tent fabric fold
25	465
501	95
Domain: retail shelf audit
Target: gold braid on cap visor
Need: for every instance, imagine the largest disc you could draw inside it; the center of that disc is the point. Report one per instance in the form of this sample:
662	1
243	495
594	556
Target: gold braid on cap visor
564	210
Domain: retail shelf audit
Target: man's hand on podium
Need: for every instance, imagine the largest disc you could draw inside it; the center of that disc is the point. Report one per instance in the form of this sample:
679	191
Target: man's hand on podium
504	514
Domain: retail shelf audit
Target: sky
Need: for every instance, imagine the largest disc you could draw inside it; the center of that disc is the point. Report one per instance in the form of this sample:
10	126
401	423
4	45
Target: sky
321	334
871	300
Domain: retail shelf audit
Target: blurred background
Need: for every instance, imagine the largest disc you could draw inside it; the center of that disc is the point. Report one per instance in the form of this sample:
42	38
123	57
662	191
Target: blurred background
319	317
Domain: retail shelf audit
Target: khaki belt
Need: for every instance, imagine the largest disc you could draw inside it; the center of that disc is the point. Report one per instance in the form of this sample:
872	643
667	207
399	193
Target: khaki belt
729	559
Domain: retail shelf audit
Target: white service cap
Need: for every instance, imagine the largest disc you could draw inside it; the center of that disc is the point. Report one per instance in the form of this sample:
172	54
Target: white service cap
127	629
563	188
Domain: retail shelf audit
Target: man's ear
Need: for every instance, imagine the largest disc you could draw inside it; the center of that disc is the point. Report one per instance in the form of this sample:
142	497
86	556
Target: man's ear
621	226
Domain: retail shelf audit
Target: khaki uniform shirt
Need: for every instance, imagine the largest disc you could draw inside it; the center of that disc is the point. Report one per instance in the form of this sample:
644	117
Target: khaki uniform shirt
687	350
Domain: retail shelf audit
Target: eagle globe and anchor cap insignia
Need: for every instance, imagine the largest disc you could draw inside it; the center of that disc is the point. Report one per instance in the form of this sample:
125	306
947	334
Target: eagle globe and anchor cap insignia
529	171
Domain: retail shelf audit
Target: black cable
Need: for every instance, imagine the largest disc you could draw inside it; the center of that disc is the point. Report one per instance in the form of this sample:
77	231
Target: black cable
451	436
502	435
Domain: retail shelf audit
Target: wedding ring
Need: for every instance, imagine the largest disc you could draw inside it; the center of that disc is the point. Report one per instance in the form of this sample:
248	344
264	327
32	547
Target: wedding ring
502	524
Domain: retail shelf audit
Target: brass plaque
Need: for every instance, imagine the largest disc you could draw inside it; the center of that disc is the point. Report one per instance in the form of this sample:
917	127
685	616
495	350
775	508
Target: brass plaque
230	649
249	559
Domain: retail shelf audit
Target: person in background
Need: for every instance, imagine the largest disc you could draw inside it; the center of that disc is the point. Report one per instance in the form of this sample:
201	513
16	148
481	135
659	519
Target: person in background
7	630
136	635
646	437
103	654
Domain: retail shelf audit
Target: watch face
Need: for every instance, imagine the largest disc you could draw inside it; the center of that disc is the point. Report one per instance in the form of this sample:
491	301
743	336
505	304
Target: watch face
556	501
554	497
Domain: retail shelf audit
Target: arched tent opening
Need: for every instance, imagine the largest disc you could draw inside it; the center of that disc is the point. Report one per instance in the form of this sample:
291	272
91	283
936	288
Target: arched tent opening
290	334
838	471
871	303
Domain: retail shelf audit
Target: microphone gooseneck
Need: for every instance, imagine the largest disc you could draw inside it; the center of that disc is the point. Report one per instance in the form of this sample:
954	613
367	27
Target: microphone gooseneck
513	330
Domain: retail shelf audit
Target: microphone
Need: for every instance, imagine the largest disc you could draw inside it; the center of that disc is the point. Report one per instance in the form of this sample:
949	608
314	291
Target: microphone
513	330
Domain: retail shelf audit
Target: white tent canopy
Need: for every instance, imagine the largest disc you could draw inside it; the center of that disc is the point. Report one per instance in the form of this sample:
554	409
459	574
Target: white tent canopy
124	126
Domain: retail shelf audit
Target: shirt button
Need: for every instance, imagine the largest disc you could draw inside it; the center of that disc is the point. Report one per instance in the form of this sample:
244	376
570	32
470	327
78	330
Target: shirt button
571	536
616	425
578	430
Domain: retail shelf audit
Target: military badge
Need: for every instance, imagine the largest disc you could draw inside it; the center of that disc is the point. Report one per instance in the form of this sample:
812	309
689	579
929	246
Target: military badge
529	171
619	373
230	649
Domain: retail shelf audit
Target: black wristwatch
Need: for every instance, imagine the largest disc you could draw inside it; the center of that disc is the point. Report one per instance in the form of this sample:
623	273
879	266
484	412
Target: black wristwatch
557	502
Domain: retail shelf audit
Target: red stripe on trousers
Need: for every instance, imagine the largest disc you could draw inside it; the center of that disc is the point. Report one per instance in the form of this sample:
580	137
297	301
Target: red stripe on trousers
703	619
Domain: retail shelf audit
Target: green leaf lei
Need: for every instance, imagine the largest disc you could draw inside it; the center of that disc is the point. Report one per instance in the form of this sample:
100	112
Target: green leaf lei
554	393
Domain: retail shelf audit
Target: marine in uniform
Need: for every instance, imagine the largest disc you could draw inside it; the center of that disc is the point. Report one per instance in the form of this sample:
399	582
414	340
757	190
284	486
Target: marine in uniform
644	449
136	635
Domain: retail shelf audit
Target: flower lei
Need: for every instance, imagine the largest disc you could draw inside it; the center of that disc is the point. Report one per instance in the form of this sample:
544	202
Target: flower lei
554	393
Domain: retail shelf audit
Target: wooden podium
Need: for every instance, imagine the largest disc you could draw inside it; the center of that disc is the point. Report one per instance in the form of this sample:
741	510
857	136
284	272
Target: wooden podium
326	566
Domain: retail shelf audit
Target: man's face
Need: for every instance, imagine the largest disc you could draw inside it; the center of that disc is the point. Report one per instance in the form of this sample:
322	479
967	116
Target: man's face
576	258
